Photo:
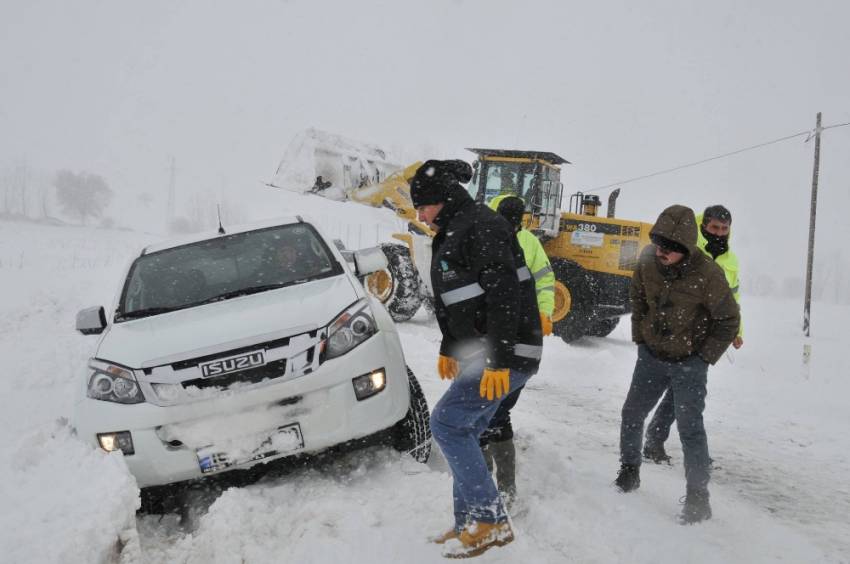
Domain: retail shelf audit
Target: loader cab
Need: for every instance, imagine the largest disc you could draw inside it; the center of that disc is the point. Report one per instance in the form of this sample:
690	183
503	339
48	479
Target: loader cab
533	176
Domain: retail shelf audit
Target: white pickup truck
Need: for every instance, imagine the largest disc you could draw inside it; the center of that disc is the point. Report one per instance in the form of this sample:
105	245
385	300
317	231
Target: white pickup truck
226	350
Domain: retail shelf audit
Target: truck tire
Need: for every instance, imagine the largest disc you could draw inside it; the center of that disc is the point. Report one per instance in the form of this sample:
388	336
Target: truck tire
413	433
603	327
397	286
573	301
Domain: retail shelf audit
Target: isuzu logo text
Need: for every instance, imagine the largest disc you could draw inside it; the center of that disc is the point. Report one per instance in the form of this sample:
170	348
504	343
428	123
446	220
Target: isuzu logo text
232	364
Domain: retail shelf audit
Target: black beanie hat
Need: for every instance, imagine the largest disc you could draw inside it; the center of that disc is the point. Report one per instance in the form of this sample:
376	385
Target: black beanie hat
432	179
512	208
717	212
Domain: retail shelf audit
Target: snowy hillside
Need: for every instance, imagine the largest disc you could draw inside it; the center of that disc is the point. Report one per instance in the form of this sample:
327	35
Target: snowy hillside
777	433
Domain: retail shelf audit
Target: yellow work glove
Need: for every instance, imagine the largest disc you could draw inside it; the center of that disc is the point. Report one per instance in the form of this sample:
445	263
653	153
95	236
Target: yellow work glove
545	324
495	382
447	367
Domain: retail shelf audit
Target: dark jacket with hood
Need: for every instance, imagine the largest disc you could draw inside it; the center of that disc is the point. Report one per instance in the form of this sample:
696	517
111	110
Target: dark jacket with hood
686	308
485	299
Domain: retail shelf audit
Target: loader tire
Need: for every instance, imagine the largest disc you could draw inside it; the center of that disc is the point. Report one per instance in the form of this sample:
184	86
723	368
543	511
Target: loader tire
412	434
397	286
574	301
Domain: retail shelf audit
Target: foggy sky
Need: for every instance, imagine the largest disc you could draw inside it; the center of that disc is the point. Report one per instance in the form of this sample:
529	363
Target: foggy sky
620	89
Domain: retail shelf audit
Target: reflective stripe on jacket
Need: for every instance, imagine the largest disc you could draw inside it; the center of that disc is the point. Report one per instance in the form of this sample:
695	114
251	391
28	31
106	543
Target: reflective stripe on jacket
541	269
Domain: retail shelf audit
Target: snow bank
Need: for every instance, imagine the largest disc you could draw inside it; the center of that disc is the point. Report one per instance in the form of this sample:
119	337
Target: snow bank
360	509
63	501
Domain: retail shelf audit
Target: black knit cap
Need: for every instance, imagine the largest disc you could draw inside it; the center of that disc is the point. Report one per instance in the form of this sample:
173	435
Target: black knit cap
512	208
717	212
432	179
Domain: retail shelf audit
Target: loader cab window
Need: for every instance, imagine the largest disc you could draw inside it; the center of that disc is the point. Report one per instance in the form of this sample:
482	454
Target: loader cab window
545	198
494	178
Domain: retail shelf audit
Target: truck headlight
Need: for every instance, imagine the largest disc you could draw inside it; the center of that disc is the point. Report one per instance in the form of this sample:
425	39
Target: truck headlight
122	440
352	327
109	382
368	385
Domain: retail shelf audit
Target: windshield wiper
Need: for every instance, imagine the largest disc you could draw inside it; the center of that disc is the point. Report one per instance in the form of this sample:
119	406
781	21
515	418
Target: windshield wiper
135	314
242	292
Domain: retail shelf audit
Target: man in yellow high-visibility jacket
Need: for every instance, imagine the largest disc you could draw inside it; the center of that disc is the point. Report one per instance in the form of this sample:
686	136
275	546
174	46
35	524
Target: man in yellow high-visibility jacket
512	208
713	240
497	440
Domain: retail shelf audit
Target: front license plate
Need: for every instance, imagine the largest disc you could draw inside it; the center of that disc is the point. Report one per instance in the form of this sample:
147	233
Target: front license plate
285	439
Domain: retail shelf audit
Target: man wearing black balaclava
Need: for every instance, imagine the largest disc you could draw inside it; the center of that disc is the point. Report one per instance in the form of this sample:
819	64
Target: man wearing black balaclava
715	225
714	228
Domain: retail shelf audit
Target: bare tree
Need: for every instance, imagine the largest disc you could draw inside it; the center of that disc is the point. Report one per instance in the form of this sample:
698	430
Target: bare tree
82	195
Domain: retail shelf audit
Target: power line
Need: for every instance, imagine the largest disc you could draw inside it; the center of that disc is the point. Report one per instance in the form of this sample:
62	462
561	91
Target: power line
836	125
723	156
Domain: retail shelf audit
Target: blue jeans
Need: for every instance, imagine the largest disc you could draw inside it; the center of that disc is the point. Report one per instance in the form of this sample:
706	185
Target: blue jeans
500	427
687	381
457	422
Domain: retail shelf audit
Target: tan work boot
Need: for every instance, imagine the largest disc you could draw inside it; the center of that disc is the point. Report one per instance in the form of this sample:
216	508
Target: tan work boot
477	538
442	538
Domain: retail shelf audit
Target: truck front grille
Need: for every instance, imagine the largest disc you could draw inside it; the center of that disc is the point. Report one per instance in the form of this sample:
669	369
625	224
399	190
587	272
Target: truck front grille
274	369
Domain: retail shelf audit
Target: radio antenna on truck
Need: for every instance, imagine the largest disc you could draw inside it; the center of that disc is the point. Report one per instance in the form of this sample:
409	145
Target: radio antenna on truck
220	228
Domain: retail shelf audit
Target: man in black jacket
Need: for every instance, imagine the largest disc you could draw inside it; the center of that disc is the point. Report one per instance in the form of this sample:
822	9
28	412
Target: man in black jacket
486	308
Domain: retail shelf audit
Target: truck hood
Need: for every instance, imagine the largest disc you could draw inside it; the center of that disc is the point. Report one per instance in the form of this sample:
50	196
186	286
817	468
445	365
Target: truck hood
237	322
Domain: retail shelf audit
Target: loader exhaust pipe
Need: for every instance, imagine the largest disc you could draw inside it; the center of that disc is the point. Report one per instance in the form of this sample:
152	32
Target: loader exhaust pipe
612	202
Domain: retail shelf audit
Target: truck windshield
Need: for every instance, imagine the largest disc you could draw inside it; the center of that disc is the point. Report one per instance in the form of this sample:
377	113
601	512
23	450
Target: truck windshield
225	267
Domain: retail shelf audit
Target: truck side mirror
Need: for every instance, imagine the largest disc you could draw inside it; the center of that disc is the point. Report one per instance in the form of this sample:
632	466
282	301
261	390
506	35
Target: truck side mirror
367	261
91	321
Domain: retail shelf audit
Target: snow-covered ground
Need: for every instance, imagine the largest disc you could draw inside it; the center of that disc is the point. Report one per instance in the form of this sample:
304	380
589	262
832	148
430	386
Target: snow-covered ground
779	435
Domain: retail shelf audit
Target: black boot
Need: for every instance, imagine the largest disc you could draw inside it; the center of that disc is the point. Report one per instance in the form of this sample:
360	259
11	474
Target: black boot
487	451
656	453
628	478
504	455
696	507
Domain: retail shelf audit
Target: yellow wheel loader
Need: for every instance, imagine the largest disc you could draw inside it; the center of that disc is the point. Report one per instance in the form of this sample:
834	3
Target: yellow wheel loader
593	257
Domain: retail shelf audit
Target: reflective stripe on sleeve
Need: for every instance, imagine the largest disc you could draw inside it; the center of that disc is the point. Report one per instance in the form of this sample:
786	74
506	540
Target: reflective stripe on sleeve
528	351
523	273
543	272
463	293
546	289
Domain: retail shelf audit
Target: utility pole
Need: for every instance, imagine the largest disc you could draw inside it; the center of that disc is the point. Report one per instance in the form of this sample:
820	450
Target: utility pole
807	305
